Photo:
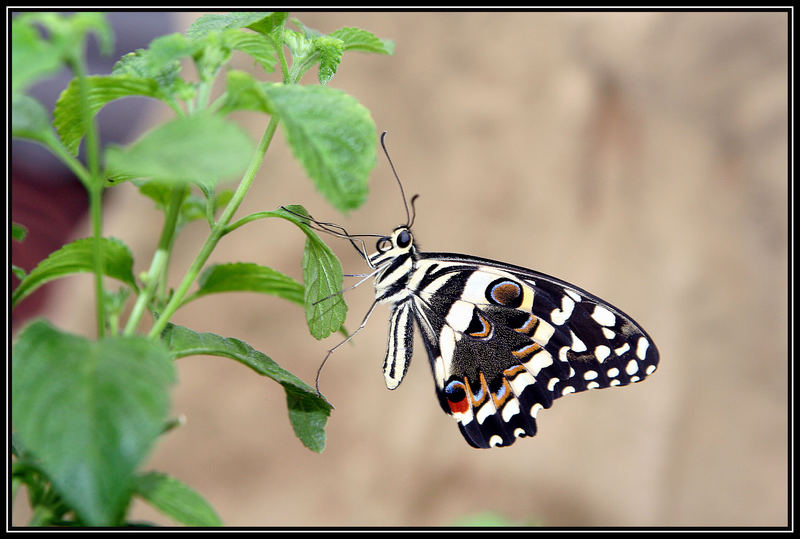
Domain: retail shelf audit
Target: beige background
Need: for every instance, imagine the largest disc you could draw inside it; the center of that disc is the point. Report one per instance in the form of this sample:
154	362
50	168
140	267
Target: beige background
641	156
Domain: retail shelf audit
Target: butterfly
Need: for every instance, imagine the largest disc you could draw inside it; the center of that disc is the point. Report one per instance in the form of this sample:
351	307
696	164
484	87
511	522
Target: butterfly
503	341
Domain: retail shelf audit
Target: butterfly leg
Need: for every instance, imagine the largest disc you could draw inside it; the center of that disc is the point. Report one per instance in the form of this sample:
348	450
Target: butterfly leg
332	350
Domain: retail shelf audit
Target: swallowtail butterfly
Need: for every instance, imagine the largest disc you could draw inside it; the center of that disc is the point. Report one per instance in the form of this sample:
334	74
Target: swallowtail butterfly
503	341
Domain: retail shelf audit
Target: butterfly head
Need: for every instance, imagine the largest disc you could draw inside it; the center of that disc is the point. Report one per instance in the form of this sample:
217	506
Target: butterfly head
399	243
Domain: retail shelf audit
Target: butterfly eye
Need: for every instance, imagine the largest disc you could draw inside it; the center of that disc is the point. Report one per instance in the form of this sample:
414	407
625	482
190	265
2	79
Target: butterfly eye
403	239
383	245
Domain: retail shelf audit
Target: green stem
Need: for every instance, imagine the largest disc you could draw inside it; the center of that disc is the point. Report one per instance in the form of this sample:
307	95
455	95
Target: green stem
96	213
278	44
95	188
217	231
244	220
160	260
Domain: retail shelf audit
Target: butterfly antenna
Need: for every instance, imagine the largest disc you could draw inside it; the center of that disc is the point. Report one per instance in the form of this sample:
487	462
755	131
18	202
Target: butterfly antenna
413	210
402	192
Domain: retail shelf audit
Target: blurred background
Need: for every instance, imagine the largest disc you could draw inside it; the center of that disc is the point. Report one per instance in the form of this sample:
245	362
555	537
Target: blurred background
641	156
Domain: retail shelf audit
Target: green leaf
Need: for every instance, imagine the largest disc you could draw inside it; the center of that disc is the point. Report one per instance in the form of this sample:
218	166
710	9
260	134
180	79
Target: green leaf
76	257
68	114
68	32
30	120
332	135
32	57
330	54
175	499
224	21
89	412
269	24
18	232
255	45
202	149
308	412
246	277
242	91
322	276
356	39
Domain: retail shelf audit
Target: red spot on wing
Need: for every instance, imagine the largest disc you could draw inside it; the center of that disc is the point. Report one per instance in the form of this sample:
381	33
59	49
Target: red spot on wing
459	407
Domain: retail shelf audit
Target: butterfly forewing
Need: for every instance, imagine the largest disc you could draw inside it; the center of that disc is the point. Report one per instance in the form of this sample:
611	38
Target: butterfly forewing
504	341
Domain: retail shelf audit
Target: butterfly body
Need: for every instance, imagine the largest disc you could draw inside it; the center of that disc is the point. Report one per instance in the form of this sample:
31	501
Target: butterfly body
503	341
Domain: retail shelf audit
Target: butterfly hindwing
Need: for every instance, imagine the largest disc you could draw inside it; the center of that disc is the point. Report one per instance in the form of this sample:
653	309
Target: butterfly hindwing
504	342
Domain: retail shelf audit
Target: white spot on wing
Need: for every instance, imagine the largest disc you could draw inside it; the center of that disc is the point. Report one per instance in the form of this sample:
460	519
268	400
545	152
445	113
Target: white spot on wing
510	410
559	316
460	315
538	361
535	409
447	346
577	344
641	347
603	316
521	381
574	295
543	333
495	440
632	367
485	411
602	352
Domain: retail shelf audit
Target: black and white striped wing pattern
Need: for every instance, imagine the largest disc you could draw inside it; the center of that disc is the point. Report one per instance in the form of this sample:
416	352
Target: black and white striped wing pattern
504	342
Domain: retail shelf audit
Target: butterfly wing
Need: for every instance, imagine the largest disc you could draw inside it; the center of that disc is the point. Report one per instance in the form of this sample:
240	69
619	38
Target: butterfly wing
505	341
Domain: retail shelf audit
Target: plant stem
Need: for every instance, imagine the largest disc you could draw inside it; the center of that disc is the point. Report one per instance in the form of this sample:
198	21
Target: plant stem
217	231
95	187
160	260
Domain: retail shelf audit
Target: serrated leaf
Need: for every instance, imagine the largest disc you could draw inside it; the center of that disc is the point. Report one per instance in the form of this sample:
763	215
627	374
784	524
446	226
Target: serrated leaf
175	499
159	62
76	257
101	90
322	275
308	412
30	120
326	309
356	39
222	21
89	412
330	54
201	149
247	277
255	45
269	24
164	51
332	136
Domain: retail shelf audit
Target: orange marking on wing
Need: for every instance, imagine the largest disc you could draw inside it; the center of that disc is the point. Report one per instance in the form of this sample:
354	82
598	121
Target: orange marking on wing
529	326
525	352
